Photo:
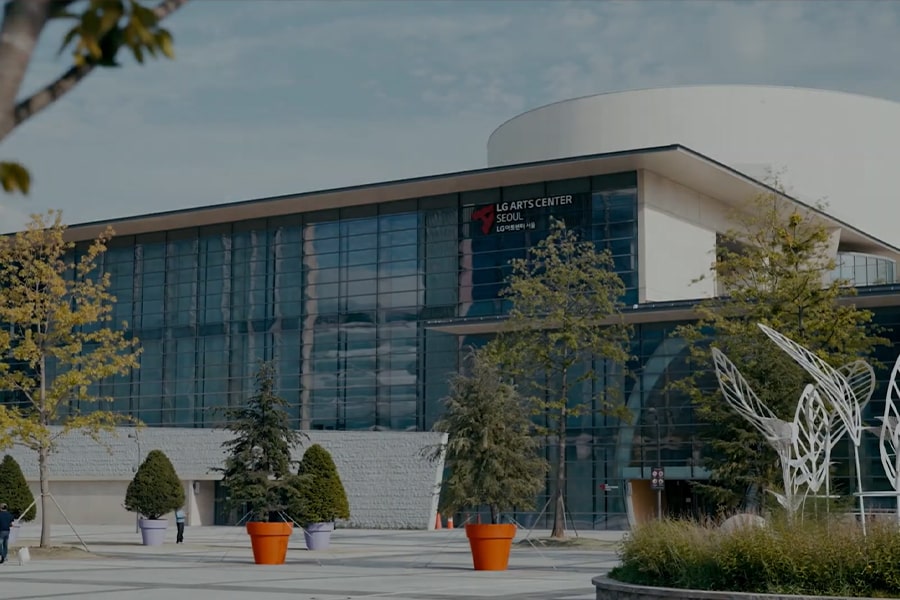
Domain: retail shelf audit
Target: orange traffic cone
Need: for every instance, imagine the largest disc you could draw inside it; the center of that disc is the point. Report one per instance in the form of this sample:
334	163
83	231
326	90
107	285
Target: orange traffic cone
450	522
437	521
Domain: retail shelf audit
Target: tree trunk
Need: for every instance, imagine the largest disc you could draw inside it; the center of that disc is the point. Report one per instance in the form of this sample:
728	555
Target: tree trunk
44	457
559	503
44	474
495	514
23	21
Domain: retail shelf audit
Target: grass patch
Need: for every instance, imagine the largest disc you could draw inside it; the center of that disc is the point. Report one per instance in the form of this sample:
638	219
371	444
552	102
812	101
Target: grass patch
818	557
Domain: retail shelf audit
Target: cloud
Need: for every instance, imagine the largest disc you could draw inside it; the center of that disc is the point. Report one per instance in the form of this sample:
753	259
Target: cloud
282	97
168	168
13	214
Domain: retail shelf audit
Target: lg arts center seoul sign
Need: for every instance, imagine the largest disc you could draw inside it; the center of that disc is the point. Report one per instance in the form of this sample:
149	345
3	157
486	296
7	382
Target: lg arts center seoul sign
516	215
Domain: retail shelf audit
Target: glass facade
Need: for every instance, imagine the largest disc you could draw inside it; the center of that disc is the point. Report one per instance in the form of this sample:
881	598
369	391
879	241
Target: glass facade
864	269
339	299
601	209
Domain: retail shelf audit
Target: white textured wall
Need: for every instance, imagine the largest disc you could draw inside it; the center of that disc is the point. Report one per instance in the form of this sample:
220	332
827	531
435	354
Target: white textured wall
388	483
830	145
677	252
678	236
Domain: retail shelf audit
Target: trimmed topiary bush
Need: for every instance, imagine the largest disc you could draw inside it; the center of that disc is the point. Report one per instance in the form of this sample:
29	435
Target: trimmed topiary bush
155	489
321	495
14	490
813	558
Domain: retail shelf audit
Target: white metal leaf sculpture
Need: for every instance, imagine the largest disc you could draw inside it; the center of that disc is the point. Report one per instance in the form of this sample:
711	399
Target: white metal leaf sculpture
836	386
889	436
781	435
794	472
861	378
738	393
810	445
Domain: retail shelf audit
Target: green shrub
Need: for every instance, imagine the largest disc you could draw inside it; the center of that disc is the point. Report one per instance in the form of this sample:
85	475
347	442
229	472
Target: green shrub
491	453
257	472
14	490
813	557
675	552
883	551
321	495
155	489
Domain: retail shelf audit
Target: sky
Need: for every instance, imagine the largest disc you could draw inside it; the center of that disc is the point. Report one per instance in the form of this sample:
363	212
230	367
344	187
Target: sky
270	97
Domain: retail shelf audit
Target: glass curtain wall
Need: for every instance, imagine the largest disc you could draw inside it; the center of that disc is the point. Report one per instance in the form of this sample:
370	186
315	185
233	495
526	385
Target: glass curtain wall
339	299
864	269
500	225
334	298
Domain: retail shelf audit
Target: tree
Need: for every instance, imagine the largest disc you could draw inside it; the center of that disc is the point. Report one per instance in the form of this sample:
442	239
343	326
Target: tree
257	470
774	268
55	310
99	31
564	330
155	489
14	490
322	497
491	450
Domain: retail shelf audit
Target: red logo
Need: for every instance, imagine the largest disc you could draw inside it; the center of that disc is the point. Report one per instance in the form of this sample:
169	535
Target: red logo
487	215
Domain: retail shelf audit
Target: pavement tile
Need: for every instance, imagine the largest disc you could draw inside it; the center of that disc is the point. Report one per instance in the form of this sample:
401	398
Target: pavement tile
216	563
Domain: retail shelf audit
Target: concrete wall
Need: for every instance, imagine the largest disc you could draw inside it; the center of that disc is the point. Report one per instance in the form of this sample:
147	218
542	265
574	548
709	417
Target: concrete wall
389	484
830	146
677	239
678	234
203	510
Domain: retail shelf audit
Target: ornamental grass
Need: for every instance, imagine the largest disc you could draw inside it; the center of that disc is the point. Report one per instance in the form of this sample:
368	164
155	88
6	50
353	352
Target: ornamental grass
825	557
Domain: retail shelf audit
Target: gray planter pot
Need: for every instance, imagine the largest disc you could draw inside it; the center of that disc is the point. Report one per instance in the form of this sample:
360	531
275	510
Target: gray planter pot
318	535
153	531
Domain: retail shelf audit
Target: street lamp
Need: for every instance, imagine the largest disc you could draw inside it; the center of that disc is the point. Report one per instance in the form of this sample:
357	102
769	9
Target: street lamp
134	436
657	476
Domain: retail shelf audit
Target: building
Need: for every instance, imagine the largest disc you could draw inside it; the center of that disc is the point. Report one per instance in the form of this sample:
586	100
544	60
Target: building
364	296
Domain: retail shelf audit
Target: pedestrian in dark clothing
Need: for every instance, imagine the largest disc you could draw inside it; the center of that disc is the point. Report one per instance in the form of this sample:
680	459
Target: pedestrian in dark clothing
179	524
6	521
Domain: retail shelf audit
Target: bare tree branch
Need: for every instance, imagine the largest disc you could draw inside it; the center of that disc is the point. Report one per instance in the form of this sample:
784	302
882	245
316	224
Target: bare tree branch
63	84
23	21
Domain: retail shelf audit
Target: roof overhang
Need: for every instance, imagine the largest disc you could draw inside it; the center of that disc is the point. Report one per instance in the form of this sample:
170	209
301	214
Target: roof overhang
675	162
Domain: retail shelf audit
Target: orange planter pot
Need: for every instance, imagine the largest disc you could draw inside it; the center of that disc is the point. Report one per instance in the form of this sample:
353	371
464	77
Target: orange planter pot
269	541
490	545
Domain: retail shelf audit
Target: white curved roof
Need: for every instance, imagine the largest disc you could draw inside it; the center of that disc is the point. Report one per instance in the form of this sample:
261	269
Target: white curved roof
836	147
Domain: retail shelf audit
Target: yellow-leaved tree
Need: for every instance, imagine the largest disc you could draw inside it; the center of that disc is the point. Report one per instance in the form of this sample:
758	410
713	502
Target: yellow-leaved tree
55	342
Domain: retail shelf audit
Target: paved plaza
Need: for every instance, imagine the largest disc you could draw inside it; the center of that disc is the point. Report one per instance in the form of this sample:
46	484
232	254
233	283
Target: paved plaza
216	563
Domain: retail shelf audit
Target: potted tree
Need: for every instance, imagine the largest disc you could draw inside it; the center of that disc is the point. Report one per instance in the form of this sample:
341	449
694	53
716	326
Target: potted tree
257	471
321	497
15	492
491	453
154	491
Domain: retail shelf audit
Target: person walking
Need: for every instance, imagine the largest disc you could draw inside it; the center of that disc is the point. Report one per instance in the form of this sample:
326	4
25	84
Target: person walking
6	521
179	525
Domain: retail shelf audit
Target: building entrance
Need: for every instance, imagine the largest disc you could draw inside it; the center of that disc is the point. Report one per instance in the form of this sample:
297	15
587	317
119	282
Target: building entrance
677	500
